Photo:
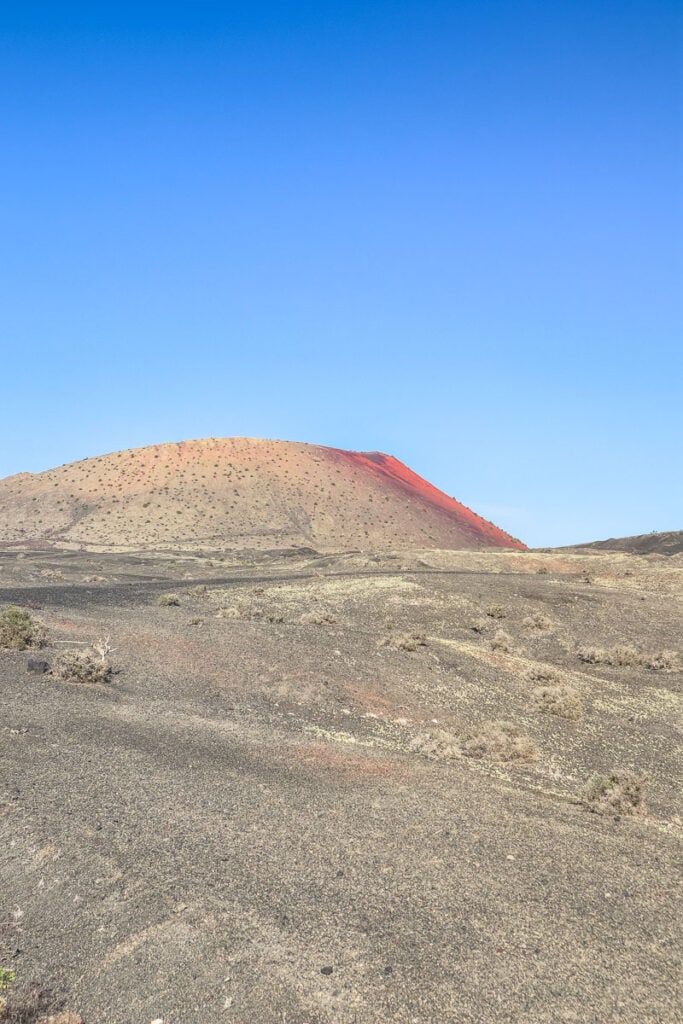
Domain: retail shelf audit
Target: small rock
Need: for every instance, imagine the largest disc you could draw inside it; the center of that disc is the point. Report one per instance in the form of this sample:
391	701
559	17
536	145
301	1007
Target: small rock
37	666
326	970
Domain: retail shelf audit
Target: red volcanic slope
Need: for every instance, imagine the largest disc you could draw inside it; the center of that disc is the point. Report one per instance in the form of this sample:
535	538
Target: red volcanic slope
239	493
399	473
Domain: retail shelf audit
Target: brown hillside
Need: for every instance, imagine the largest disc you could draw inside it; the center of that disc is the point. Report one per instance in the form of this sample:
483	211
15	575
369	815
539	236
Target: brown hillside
238	493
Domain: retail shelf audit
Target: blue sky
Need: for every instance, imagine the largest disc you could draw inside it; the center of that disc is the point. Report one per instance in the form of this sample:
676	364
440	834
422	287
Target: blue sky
447	231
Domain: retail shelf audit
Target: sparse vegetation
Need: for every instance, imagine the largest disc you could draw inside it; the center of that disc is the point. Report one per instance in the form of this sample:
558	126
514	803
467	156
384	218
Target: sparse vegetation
406	641
19	630
620	792
538	621
563	701
497	611
498	741
626	655
436	743
479	626
81	667
168	600
502	641
316	619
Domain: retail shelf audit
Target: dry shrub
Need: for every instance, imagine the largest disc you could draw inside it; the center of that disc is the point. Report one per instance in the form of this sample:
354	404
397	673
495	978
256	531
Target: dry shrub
81	667
168	600
563	701
626	655
247	612
497	611
502	641
19	630
543	570
200	591
538	621
228	613
663	661
545	675
406	642
436	743
498	741
480	626
316	619
620	792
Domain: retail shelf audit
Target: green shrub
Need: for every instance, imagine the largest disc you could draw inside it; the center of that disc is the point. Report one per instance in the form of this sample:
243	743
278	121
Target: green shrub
19	630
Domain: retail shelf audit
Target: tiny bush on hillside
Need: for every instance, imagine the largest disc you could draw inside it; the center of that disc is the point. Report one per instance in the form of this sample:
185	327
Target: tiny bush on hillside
563	701
497	741
81	667
538	621
316	619
19	630
620	792
496	611
168	600
502	641
406	642
626	655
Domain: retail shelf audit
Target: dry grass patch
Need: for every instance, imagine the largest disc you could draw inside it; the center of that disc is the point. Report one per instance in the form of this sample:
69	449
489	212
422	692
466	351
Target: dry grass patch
538	621
498	741
563	701
168	600
626	655
620	792
19	630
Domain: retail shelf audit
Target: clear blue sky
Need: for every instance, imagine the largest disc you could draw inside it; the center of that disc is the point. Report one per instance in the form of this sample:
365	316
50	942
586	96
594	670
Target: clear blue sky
450	231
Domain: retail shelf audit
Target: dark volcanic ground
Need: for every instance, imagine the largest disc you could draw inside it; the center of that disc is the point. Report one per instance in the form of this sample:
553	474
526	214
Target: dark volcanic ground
264	819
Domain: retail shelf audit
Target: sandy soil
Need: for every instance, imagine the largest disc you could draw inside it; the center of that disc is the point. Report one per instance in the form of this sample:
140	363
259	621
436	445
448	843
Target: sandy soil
268	814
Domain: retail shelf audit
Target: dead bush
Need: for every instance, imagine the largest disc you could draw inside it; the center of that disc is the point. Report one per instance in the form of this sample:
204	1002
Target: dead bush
168	600
563	701
620	792
406	641
626	655
479	626
436	744
538	621
200	591
81	667
497	611
498	741
228	613
663	661
545	675
316	619
19	630
502	641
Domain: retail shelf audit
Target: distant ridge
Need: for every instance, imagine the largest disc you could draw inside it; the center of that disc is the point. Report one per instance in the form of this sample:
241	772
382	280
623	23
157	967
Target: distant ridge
238	493
666	543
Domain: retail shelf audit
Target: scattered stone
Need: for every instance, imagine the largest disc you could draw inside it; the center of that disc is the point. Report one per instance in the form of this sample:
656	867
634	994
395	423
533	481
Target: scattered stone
37	666
326	970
